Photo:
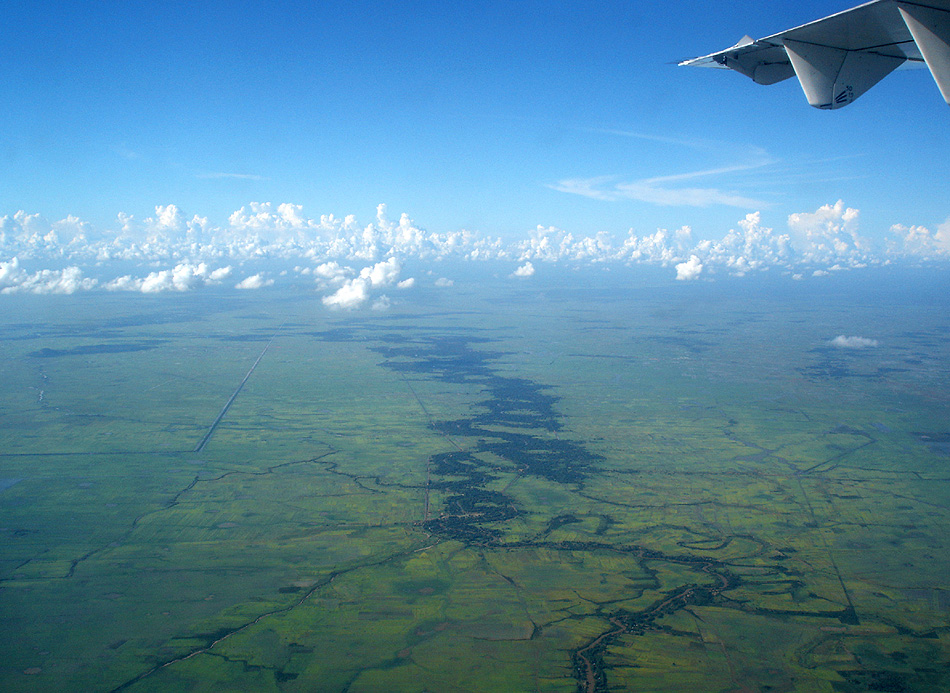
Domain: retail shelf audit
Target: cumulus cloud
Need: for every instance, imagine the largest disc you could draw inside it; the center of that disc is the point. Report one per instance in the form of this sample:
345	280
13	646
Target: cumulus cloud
183	277
551	244
168	218
444	282
259	216
919	241
382	273
691	269
331	274
11	274
843	342
219	275
255	281
357	291
662	247
526	270
31	236
830	235
353	263
352	294
14	279
753	247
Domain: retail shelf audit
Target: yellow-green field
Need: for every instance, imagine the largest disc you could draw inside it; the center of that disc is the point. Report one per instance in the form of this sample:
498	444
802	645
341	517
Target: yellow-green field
484	491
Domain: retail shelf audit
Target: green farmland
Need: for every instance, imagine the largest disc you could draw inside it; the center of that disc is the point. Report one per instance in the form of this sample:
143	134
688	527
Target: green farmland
502	491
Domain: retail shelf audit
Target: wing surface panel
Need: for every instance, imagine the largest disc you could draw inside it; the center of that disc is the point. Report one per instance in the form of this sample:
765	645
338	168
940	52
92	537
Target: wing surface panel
931	31
840	57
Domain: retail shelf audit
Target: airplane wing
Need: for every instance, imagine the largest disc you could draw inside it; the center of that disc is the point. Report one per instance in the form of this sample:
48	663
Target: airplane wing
838	58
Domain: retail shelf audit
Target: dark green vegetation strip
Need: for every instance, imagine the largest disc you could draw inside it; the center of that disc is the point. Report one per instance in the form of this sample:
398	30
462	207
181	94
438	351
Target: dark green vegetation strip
90	349
518	423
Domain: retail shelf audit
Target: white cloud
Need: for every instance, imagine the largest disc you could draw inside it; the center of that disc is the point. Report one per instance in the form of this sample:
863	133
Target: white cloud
124	283
292	215
65	281
14	279
686	271
830	235
255	281
526	270
656	191
382	273
551	244
183	277
661	247
843	342
286	224
443	282
219	275
919	241
354	262
692	143
353	293
168	218
753	247
406	283
587	187
330	273
650	191
11	274
665	191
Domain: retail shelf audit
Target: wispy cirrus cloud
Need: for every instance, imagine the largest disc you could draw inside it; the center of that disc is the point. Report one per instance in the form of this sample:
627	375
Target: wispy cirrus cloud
233	176
126	152
659	191
690	142
668	190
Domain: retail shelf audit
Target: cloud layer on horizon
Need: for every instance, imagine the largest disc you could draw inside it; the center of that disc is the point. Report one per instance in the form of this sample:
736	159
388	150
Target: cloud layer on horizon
350	263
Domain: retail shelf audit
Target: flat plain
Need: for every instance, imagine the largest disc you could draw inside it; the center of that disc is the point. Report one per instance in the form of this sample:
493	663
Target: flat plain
495	488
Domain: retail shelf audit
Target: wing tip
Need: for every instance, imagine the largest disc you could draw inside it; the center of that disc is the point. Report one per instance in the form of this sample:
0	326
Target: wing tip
712	60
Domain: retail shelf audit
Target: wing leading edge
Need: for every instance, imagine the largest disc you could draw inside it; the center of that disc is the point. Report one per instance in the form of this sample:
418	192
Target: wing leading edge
838	58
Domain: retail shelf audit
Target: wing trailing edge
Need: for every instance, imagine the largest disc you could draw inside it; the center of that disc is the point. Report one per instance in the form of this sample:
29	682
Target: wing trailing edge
839	58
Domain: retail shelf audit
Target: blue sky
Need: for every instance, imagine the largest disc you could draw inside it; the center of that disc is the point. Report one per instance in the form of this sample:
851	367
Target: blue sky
489	116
